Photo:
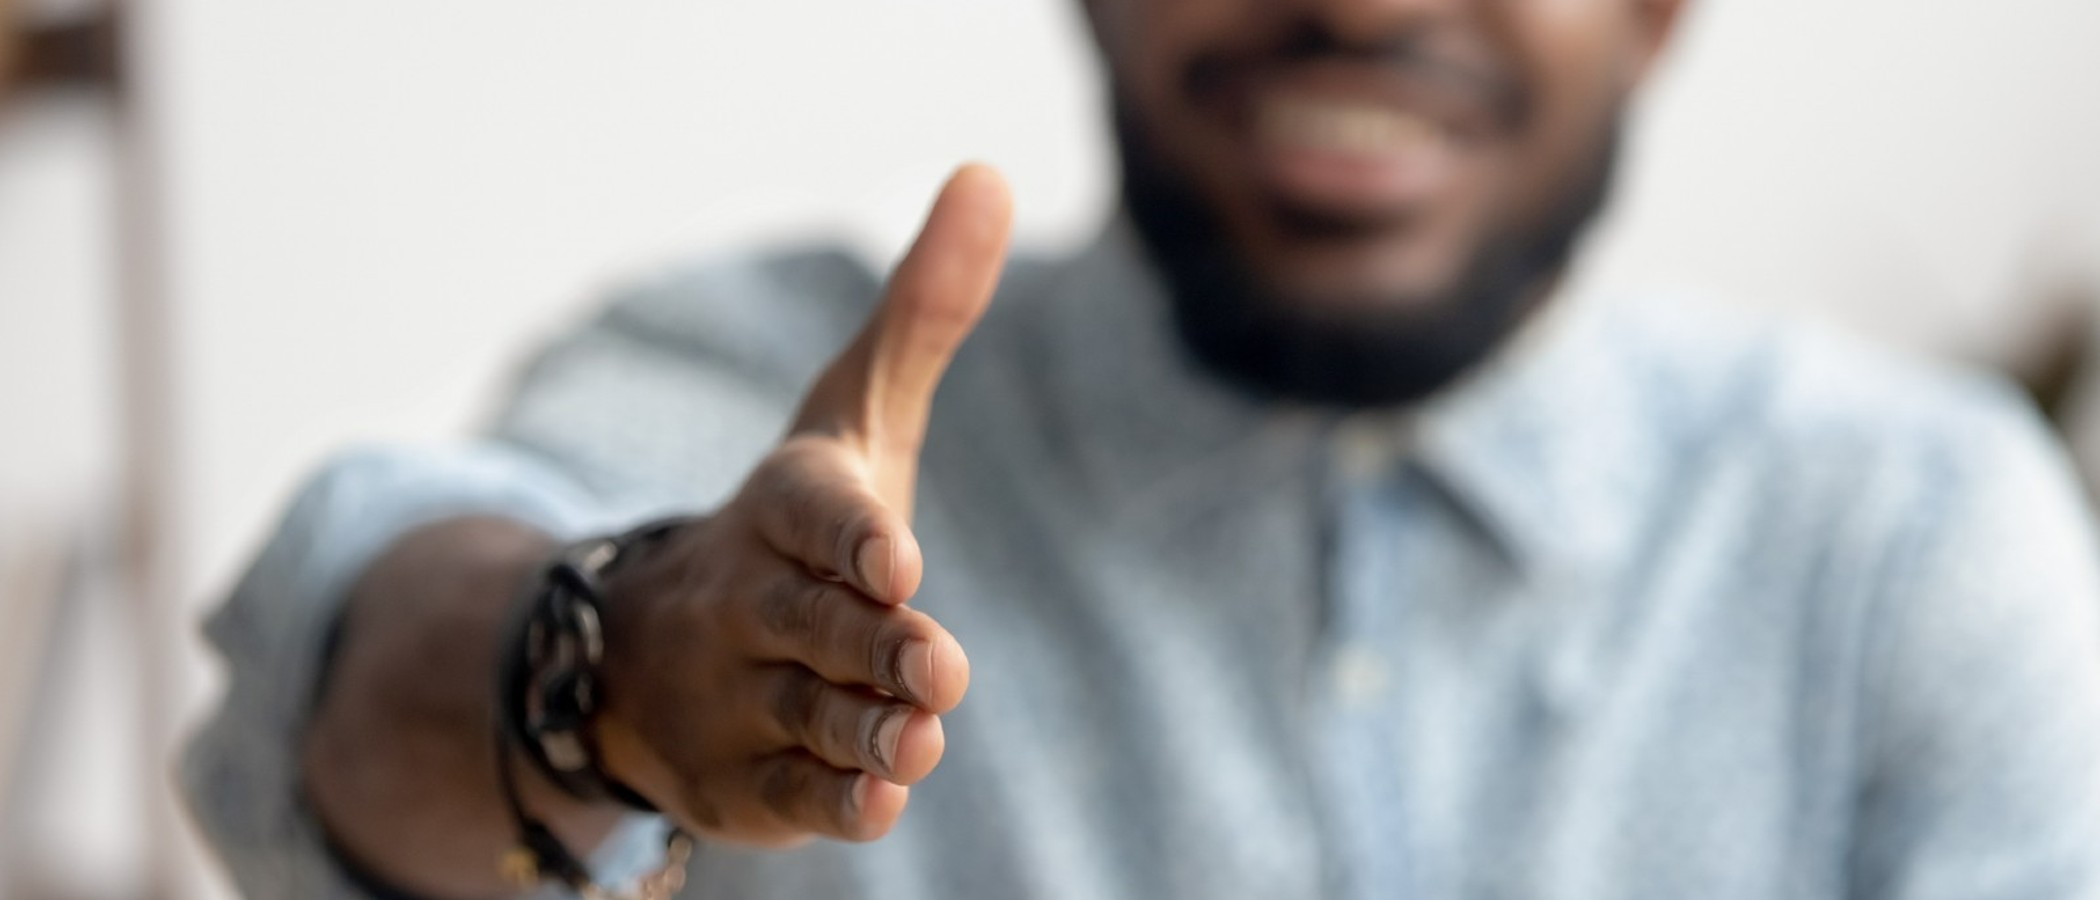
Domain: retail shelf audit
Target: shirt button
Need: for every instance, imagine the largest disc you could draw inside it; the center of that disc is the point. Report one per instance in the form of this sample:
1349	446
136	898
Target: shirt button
1359	677
1362	454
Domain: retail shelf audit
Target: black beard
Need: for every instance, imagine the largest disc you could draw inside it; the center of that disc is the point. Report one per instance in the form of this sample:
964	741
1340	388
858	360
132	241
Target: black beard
1394	351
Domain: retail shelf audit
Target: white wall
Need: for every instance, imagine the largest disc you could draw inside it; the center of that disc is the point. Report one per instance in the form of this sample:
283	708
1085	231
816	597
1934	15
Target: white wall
1926	170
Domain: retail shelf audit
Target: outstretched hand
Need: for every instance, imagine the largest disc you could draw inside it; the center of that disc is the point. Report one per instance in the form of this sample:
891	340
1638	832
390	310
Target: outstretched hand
765	681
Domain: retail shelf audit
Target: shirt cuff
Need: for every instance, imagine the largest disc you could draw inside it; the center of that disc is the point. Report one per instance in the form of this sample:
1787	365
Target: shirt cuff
241	771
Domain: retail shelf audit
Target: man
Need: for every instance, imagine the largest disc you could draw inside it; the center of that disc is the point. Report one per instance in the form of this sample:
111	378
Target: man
1304	540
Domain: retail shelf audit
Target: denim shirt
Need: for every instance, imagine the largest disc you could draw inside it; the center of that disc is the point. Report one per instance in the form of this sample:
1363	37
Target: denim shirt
1657	604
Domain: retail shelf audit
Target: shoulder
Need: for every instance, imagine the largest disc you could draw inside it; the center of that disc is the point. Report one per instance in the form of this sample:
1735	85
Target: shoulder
683	377
688	375
773	314
1796	395
777	314
1929	497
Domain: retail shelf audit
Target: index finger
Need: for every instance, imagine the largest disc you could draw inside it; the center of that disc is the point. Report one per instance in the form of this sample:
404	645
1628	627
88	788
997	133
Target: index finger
848	640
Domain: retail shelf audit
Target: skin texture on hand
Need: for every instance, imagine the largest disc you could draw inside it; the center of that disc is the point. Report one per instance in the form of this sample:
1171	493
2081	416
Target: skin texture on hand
764	681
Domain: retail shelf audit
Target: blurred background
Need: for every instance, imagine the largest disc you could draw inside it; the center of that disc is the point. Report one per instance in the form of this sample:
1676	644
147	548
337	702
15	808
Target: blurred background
235	234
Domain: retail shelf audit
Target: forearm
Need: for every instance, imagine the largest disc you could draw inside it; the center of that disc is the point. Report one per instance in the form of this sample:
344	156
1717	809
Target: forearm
398	760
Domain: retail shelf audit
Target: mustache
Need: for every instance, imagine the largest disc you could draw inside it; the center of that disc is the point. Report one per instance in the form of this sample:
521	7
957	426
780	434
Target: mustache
1407	54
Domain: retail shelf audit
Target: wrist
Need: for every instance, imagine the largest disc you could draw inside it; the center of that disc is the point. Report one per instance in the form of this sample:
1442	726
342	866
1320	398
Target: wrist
394	759
546	709
548	688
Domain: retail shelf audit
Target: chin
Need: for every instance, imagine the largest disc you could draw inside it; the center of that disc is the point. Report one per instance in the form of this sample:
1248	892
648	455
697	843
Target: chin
1341	313
1380	281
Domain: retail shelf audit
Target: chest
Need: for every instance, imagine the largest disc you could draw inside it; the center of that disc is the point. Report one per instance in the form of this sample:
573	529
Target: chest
1299	692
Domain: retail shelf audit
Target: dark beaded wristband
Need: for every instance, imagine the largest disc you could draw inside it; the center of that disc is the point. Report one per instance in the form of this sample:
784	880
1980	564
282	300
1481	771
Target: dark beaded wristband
546	695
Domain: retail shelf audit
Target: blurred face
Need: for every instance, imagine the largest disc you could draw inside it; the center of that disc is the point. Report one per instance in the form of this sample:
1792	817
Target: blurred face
1356	199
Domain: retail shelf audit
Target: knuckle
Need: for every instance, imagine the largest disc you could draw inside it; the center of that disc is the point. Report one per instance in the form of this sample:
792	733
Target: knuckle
767	483
814	500
785	782
843	533
830	612
797	698
884	645
794	458
800	791
855	643
839	626
802	500
791	608
810	503
786	490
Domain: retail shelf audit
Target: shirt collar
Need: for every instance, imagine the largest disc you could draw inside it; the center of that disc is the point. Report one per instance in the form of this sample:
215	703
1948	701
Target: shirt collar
1148	423
1538	445
1542	443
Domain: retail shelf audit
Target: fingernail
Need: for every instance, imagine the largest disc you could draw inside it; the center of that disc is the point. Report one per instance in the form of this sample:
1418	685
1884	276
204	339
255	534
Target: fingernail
857	797
915	671
883	738
876	563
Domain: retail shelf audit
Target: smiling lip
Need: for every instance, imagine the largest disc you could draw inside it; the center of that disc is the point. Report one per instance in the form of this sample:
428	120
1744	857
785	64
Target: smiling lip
1349	156
1356	141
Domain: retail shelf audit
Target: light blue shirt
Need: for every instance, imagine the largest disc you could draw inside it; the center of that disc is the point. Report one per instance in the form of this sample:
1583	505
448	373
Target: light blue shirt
1656	605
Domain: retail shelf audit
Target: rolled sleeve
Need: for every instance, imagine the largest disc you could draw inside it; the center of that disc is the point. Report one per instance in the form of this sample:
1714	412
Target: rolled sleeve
241	771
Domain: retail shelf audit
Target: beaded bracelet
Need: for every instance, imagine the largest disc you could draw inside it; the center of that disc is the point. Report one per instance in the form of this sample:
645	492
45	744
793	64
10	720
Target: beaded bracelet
539	855
546	694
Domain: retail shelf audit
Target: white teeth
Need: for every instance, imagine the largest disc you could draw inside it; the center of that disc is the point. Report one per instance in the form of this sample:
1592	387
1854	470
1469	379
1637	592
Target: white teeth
1340	127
